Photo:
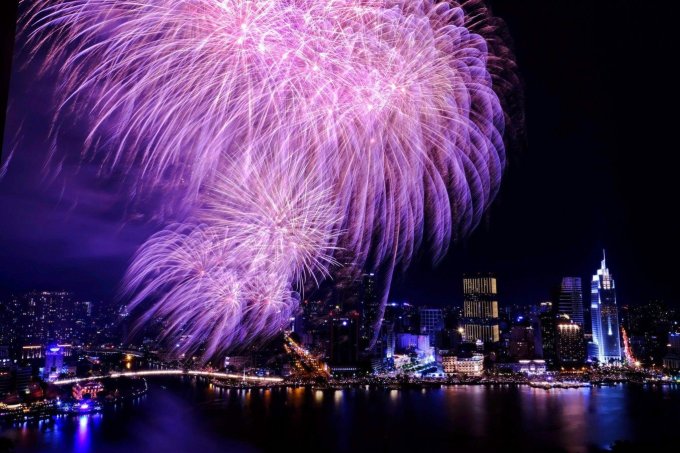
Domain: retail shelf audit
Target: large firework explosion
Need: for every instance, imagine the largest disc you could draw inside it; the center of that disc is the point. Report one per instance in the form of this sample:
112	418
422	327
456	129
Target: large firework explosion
294	129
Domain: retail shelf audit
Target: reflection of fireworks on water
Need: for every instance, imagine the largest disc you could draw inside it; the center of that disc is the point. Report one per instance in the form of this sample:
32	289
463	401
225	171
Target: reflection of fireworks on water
296	127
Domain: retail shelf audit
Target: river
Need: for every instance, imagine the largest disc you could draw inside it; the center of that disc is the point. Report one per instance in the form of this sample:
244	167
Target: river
185	414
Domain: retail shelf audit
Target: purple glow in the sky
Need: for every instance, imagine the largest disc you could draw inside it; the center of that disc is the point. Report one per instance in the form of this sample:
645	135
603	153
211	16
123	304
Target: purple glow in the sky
294	130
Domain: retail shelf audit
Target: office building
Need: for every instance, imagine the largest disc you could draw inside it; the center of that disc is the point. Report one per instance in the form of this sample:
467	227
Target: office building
569	342
54	363
571	300
344	340
480	309
522	346
370	310
548	335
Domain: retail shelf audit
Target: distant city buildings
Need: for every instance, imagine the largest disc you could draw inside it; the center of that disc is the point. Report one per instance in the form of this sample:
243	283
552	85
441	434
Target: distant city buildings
39	330
605	316
41	317
648	327
480	309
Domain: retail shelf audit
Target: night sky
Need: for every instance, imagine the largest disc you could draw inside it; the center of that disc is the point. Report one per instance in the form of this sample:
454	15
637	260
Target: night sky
596	172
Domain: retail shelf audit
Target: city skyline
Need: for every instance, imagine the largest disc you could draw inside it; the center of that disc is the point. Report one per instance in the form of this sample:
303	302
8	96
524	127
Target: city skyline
339	330
337	225
553	290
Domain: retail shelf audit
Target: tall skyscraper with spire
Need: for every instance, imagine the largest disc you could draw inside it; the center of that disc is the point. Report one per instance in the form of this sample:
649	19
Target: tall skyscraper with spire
605	315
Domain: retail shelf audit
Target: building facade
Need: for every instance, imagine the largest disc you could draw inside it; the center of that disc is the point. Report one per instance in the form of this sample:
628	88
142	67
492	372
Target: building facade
480	309
54	363
548	334
472	366
431	322
370	311
569	345
522	345
571	299
344	340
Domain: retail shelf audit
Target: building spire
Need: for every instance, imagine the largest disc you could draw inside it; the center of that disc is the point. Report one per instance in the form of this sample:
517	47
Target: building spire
604	259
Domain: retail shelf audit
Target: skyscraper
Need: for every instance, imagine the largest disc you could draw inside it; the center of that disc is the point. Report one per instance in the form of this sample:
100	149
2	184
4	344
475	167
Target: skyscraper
480	309
344	340
605	315
548	329
571	299
569	345
369	308
54	362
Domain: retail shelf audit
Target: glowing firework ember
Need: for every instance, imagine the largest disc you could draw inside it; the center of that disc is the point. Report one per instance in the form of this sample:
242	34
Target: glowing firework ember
295	128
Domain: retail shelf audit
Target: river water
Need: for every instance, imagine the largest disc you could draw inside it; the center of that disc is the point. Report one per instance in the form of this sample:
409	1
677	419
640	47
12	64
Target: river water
183	414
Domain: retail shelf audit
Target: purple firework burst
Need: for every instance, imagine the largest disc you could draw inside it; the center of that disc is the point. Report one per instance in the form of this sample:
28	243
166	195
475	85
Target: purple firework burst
296	129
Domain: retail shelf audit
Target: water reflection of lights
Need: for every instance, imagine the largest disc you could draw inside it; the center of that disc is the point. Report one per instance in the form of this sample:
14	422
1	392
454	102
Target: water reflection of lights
173	373
82	439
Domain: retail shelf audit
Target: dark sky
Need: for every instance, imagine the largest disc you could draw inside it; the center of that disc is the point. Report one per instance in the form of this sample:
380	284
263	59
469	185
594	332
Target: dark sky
597	172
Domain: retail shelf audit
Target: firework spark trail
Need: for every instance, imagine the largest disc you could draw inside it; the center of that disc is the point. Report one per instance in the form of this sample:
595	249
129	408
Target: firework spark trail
390	105
228	276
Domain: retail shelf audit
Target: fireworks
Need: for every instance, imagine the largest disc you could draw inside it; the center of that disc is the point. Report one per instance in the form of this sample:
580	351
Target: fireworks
294	128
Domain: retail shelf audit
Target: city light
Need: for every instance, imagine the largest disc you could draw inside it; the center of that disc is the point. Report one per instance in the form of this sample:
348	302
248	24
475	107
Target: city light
627	350
151	373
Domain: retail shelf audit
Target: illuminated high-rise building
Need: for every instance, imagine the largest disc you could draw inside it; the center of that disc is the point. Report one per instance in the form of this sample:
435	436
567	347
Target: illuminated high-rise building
480	309
569	342
571	299
54	362
605	315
